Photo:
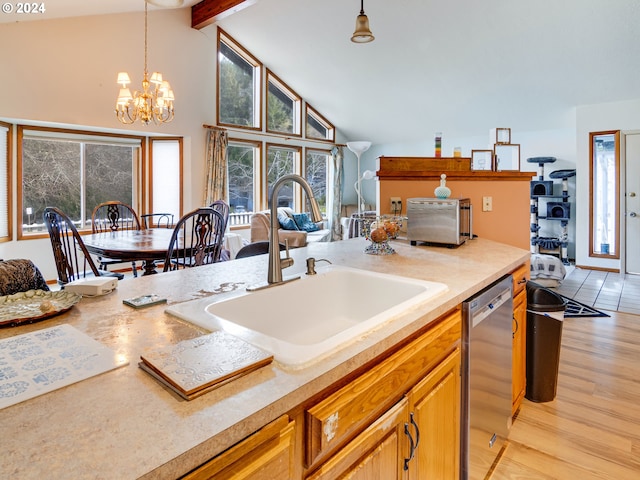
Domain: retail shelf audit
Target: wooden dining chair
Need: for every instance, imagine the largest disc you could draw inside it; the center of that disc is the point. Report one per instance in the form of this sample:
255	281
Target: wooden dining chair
111	217
196	240
256	248
222	207
72	258
157	220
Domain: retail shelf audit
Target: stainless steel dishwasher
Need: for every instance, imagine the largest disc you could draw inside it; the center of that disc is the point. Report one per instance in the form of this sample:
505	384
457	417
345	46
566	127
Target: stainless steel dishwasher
486	377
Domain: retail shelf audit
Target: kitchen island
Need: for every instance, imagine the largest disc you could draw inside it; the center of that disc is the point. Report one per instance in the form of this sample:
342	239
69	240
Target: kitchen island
123	424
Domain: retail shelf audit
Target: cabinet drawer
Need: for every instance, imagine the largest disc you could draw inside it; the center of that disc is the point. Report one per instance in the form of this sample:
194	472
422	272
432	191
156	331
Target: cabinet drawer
349	410
265	455
379	448
521	276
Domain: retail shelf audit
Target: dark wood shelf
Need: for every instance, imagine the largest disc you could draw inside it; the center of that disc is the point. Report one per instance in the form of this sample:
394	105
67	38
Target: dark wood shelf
430	168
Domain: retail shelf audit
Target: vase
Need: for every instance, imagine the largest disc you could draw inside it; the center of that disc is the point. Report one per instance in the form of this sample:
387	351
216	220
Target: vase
443	191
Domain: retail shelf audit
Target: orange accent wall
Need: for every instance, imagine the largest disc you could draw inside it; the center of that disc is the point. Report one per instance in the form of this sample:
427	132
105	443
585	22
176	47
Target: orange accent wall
508	222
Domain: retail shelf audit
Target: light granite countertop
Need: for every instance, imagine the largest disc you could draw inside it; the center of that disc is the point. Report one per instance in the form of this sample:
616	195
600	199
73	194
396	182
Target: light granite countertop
123	424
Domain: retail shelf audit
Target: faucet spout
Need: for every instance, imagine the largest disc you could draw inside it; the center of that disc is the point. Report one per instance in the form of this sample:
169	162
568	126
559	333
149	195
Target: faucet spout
274	276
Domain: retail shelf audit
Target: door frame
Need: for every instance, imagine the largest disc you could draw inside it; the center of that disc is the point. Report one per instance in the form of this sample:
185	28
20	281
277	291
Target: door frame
623	199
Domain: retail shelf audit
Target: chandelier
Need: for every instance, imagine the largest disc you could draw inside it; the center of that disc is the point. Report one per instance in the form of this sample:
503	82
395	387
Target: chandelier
152	103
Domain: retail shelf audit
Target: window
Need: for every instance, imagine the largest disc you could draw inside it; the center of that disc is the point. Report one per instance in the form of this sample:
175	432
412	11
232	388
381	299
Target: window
282	161
283	107
239	85
166	176
317	127
255	166
243	160
5	185
317	175
74	171
604	188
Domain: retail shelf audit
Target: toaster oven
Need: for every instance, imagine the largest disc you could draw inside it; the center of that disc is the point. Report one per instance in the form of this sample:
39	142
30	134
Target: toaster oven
439	221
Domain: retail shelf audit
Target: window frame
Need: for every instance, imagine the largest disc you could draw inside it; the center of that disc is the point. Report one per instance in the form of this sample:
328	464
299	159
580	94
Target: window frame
331	131
138	171
149	202
238	49
9	181
297	169
616	195
257	169
327	153
293	96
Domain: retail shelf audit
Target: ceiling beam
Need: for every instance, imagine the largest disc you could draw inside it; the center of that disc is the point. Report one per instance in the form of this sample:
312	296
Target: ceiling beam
208	11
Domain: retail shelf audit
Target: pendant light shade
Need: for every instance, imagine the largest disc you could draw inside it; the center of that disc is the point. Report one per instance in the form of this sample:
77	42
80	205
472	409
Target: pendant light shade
362	34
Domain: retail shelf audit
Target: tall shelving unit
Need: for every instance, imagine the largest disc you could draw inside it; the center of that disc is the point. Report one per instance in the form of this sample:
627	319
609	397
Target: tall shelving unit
557	209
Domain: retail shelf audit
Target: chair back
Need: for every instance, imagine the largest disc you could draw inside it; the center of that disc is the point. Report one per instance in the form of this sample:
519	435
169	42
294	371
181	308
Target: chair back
73	261
157	220
112	216
196	240
222	207
256	248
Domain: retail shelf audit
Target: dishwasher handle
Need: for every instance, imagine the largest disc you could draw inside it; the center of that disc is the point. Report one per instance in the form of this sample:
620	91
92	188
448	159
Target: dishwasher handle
486	310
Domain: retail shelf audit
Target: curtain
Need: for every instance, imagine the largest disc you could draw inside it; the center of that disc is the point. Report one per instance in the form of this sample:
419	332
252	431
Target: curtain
216	187
335	193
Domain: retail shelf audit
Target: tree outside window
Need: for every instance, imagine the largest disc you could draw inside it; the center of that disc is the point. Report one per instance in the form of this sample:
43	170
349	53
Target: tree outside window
74	175
316	174
241	160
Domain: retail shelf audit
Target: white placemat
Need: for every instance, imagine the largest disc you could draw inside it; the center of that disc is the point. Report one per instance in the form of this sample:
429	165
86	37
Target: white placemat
39	362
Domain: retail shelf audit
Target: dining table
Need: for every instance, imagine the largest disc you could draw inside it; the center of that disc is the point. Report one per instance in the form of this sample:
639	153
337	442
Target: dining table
147	246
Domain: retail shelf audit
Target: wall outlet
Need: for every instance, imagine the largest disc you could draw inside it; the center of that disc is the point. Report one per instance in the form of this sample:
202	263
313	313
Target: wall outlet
487	204
396	205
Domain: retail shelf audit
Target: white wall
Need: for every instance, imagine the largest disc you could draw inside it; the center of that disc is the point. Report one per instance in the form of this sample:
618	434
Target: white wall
549	143
622	116
64	71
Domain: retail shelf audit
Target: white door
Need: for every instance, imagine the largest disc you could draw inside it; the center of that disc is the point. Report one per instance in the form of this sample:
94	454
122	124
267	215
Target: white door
632	204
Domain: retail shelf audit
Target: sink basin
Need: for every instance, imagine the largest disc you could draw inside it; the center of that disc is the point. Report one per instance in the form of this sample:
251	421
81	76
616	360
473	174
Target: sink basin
303	321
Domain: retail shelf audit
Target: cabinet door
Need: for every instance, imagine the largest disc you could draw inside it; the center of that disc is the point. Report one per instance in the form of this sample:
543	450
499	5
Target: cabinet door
375	454
519	360
264	455
434	404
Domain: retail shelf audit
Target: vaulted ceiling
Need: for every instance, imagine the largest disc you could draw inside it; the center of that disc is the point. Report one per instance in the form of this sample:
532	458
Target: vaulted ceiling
461	67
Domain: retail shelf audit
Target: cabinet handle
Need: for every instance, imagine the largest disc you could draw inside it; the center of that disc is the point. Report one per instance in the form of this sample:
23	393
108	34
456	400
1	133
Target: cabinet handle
415	425
523	280
412	450
414	445
513	334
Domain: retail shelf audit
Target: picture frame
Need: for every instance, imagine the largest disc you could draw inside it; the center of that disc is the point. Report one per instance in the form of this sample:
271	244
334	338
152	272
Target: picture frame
506	157
503	136
481	160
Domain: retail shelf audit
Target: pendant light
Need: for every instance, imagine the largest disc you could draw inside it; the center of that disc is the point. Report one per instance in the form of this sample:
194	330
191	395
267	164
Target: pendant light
362	33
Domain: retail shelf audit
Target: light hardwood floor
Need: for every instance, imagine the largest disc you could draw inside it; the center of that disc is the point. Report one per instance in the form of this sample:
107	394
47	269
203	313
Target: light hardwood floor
592	428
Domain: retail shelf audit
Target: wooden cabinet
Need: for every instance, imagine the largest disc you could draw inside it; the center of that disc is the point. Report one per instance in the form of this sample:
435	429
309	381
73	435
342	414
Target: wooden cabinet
265	455
416	439
374	453
398	419
519	356
435	407
402	412
519	329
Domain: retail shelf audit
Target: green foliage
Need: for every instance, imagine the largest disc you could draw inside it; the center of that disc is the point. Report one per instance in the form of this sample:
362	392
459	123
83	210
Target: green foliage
235	95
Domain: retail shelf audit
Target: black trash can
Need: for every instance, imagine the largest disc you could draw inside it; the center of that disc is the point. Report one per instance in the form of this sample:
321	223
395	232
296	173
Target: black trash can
545	316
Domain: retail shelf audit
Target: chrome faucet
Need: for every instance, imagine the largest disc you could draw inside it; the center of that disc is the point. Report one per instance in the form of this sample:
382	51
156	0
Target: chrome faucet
276	263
